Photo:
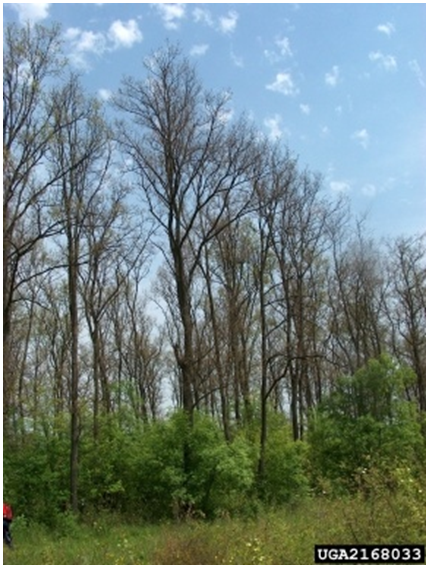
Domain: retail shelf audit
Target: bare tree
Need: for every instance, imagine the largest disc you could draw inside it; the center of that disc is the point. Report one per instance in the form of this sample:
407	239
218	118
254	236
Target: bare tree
407	307
113	244
231	297
79	150
357	298
300	243
31	58
192	163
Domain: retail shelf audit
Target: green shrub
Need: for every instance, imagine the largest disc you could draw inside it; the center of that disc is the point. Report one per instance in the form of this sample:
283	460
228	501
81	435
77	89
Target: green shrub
286	462
36	480
365	422
222	473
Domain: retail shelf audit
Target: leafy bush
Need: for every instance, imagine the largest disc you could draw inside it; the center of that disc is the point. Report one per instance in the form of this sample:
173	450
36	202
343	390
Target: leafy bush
286	463
365	422
36	480
222	473
219	475
145	471
157	475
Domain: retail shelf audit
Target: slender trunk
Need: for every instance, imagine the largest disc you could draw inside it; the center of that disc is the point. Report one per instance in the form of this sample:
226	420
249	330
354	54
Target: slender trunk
7	332
264	367
185	359
74	390
218	363
294	405
96	381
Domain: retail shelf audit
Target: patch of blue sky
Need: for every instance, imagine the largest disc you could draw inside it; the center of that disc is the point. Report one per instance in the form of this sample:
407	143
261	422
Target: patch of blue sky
344	85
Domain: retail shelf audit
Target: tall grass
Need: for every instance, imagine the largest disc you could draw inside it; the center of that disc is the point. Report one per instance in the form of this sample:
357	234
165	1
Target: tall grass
103	542
377	515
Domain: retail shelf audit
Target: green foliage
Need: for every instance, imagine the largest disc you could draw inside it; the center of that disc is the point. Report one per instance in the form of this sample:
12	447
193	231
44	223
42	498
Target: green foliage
286	463
159	476
37	475
375	390
101	462
365	422
222	474
138	469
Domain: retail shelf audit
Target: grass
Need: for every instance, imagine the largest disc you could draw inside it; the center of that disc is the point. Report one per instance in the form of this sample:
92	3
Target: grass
98	543
285	536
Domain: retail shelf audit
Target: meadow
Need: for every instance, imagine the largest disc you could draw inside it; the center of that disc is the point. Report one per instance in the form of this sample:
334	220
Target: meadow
280	536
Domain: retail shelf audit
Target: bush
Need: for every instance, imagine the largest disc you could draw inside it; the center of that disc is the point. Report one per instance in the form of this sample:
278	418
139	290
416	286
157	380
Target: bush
286	463
36	475
365	422
223	473
151	472
157	475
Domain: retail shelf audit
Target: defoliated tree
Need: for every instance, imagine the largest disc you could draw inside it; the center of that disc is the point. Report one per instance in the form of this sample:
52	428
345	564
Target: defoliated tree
113	246
80	151
31	62
191	164
407	308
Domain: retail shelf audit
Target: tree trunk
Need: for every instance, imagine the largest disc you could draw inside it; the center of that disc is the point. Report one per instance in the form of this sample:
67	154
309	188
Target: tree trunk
74	387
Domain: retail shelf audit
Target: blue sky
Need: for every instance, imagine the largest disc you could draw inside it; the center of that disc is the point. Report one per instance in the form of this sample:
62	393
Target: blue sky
343	85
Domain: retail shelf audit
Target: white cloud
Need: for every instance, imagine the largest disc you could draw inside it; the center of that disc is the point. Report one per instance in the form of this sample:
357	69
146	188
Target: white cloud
104	94
283	51
332	77
125	34
284	84
72	33
198	50
227	24
362	137
31	11
284	47
203	15
388	28
273	124
416	69
305	109
339	186
388	62
171	14
84	42
94	42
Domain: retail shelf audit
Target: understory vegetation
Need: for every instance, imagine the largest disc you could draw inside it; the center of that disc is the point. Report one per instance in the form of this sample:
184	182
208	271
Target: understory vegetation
376	514
358	477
